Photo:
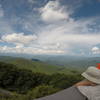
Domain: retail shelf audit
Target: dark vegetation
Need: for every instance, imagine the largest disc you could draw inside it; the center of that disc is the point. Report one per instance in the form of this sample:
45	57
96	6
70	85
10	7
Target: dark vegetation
25	84
33	59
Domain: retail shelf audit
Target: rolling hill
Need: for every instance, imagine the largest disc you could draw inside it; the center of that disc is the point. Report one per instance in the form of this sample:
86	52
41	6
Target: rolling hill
35	66
76	62
52	64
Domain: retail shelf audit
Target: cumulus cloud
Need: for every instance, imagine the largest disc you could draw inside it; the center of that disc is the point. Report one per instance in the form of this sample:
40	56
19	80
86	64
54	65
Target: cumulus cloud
60	38
95	50
28	50
51	44
71	39
58	34
18	38
25	44
69	34
53	11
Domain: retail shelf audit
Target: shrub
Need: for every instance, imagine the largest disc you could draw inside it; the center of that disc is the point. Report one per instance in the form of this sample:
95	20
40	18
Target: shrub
41	91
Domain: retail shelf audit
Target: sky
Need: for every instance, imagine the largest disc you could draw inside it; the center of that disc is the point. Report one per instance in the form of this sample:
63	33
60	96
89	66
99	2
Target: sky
70	27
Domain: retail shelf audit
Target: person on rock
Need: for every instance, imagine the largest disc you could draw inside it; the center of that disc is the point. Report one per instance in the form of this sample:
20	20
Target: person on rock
88	89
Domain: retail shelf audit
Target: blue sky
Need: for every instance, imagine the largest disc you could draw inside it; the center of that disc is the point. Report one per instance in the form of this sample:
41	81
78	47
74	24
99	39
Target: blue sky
69	27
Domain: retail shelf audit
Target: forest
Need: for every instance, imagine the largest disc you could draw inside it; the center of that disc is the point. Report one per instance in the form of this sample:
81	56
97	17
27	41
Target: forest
23	84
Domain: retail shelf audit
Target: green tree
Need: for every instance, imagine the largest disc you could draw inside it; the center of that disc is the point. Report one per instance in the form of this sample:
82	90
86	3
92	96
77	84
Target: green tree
41	91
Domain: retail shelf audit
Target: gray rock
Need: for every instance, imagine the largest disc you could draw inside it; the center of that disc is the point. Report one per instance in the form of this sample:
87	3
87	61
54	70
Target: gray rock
71	93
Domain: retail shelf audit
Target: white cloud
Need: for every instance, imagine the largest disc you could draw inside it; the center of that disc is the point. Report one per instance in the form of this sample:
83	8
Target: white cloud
70	39
18	38
28	50
69	34
59	37
53	11
95	50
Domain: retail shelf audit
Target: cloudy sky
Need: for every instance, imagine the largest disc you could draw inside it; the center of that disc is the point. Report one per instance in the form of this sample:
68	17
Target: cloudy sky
50	27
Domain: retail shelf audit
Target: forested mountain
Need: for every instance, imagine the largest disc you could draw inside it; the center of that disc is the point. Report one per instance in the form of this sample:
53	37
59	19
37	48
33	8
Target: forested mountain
24	84
36	66
33	78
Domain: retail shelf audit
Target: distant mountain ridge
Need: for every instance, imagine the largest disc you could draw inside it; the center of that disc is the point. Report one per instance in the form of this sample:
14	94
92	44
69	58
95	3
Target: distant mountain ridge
52	64
71	61
35	66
